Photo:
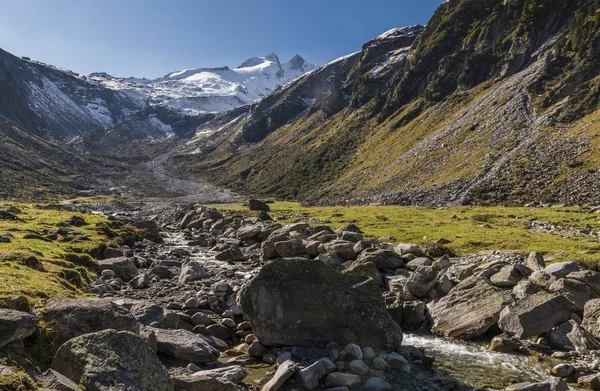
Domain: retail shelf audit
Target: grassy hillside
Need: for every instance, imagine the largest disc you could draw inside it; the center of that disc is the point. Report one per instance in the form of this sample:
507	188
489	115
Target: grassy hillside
62	267
468	229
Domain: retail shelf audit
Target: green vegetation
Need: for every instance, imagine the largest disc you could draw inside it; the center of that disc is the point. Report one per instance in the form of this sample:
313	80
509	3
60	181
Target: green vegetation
469	229
40	269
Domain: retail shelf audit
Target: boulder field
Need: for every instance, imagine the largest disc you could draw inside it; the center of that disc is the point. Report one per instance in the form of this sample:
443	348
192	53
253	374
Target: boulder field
217	295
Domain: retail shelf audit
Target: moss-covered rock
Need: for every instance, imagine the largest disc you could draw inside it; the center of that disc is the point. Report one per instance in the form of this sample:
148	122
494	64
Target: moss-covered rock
112	360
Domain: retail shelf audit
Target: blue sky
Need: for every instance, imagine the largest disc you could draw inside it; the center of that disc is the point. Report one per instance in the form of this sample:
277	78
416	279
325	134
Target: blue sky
150	38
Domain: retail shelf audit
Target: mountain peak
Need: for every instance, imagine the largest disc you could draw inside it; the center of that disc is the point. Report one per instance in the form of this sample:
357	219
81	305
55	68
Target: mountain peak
254	61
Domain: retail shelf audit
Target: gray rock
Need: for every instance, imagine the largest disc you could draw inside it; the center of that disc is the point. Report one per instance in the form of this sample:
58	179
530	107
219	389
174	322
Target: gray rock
311	376
354	351
469	310
284	372
535	261
290	248
350	236
590	382
420	261
140	281
111	252
588	277
232	254
542	279
507	277
249	232
591	317
561	269
219	379
562	370
192	271
268	246
111	361
340	379
381	258
525	288
364	269
359	367
74	317
552	384
332	260
54	380
408	248
569	336
342	248
124	268
301	302
377	384
199	382
535	315
15	326
576	292
185	346
421	281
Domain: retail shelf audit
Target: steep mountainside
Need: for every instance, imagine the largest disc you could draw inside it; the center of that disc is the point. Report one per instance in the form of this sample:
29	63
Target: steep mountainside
33	168
494	101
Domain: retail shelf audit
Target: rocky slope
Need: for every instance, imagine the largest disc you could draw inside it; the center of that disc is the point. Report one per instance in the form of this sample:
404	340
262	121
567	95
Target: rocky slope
494	102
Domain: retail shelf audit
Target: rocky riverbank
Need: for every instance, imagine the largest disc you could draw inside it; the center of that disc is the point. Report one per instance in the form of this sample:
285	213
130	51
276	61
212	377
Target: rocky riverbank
218	301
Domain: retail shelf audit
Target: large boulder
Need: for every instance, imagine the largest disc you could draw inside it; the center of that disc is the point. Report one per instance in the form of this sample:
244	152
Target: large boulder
111	361
70	318
469	310
15	326
302	302
535	315
123	267
185	346
575	291
591	317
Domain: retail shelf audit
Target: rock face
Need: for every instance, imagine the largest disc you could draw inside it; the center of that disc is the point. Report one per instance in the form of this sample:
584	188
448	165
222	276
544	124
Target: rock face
15	326
469	310
71	317
111	360
535	314
298	302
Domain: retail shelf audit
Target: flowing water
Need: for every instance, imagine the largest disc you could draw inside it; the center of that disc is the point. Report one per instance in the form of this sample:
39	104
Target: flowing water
474	365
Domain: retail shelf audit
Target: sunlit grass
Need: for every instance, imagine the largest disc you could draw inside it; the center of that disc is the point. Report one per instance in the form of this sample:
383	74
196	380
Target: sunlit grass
469	229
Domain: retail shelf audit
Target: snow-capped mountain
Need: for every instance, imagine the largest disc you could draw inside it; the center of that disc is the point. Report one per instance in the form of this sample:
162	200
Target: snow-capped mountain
61	104
196	91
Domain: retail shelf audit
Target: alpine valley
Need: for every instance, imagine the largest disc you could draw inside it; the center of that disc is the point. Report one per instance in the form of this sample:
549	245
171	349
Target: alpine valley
420	215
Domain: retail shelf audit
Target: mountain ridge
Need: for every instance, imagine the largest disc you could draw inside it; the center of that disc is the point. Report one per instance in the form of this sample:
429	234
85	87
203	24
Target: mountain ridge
456	117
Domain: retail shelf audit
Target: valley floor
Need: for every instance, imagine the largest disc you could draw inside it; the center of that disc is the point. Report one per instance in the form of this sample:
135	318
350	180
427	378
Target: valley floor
561	233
